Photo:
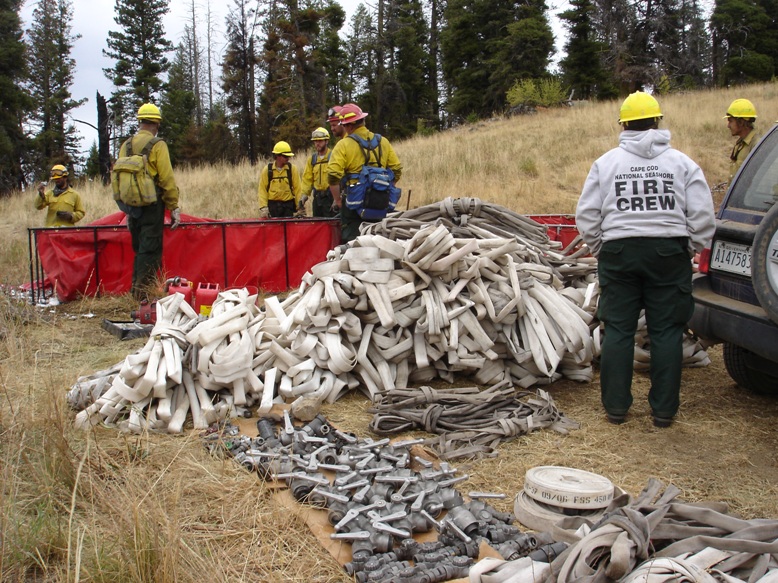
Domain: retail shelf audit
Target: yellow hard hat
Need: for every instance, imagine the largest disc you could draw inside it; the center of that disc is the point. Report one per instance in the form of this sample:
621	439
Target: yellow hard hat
639	105
149	112
741	108
282	149
58	171
320	134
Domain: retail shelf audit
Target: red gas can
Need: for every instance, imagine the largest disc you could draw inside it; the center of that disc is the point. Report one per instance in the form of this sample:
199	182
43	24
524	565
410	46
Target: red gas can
205	295
181	285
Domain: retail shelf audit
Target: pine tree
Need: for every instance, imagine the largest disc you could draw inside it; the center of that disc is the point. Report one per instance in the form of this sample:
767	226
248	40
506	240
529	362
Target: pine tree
51	70
614	21
466	41
655	42
330	55
694	62
487	45
92	167
524	53
211	57
238	77
138	50
436	13
409	70
14	103
582	69
280	100
179	106
194	60
294	88
360	53
104	130
744	41
222	145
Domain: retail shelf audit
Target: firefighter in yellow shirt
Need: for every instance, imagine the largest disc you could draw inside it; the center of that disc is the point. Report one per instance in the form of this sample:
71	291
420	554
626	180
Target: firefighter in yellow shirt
146	221
315	179
279	185
346	162
740	117
64	203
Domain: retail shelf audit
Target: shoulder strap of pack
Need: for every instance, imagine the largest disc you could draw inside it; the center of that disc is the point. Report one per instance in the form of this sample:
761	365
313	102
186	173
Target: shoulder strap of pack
368	147
147	148
128	147
316	160
270	177
376	141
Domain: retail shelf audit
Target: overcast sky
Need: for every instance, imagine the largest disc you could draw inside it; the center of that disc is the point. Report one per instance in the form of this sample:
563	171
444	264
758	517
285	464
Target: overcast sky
92	19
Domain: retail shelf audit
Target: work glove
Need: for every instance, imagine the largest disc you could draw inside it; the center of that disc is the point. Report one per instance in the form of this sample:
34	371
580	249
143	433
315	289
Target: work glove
67	215
175	218
42	190
264	213
300	213
303	200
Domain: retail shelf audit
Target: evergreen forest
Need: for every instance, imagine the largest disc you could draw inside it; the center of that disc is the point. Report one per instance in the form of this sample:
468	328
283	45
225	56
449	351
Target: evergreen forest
417	66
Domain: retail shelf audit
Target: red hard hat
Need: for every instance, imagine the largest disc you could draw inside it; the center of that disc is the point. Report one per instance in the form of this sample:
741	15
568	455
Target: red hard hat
350	113
334	113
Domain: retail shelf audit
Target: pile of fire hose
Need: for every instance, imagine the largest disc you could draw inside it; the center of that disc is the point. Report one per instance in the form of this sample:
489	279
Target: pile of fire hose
652	539
480	292
469	422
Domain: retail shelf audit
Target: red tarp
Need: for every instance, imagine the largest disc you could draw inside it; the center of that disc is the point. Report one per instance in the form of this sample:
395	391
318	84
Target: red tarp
559	227
271	254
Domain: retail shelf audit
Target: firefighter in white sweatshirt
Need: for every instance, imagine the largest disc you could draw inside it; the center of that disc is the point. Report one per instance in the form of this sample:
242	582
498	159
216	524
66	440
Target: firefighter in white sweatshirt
644	210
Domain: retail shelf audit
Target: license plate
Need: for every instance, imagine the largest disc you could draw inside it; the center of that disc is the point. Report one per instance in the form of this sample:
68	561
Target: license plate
731	257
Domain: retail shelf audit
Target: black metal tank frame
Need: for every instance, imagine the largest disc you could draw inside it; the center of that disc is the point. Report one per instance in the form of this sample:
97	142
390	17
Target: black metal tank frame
38	275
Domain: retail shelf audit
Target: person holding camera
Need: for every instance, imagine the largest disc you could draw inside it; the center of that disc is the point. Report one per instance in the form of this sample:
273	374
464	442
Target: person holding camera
64	203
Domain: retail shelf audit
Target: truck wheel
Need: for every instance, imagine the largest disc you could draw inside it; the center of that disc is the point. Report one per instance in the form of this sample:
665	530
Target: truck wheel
764	263
749	370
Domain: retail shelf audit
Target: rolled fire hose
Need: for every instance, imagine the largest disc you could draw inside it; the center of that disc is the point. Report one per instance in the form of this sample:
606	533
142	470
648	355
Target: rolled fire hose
552	493
568	487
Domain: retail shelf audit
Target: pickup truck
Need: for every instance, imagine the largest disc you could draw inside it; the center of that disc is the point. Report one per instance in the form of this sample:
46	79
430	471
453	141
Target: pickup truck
736	289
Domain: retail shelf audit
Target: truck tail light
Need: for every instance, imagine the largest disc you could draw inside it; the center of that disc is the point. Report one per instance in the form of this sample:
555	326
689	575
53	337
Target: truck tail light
704	262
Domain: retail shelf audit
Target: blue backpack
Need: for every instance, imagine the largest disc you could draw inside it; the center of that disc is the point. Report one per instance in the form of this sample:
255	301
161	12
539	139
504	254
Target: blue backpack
374	194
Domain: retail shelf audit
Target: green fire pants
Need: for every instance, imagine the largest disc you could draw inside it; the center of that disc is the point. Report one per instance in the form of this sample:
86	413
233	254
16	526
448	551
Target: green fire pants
654	274
349	223
146	232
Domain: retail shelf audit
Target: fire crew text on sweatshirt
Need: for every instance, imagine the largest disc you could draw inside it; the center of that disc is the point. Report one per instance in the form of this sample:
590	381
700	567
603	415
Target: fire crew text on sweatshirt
645	188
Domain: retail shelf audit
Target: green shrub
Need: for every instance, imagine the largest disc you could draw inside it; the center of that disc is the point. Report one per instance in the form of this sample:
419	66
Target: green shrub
546	92
424	127
529	167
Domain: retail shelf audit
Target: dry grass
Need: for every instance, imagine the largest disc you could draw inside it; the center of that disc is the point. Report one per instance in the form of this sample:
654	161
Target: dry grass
100	506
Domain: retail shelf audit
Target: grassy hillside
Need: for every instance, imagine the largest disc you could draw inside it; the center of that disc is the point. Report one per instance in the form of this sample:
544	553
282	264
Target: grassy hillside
101	506
530	164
